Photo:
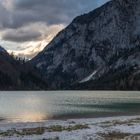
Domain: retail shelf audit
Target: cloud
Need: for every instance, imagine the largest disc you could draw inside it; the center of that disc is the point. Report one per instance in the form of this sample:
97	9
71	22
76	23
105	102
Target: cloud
33	32
20	35
31	48
23	22
23	12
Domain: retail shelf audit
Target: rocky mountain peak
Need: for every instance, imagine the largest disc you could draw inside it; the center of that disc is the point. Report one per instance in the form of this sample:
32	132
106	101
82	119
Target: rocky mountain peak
131	6
126	3
97	43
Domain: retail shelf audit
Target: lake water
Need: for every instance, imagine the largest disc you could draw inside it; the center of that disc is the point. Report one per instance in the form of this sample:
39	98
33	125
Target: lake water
43	105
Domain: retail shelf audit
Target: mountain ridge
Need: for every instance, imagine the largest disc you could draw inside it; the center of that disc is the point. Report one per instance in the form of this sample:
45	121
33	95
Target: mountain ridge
104	40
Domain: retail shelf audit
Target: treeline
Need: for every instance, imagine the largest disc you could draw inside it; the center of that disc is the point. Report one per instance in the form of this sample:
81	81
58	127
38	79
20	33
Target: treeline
5	81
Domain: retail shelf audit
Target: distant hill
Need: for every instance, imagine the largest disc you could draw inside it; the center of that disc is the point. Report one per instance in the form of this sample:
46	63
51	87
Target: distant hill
17	75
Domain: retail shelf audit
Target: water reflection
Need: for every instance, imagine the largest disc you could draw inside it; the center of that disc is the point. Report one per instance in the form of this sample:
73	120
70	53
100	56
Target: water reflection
23	107
30	117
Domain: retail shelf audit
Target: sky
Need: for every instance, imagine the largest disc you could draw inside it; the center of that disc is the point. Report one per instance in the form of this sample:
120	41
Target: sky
27	26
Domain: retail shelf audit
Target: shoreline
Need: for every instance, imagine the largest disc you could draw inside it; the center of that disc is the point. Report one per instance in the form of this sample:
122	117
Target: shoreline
73	117
97	115
79	129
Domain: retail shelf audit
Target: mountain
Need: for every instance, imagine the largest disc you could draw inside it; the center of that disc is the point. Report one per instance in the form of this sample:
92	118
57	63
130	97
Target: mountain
98	50
2	49
18	75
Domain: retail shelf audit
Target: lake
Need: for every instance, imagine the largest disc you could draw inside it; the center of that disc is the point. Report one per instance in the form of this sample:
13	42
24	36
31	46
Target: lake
27	106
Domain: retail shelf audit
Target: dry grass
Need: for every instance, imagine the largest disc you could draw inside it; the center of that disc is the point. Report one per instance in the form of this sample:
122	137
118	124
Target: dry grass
57	138
59	128
114	135
24	132
118	122
119	136
42	130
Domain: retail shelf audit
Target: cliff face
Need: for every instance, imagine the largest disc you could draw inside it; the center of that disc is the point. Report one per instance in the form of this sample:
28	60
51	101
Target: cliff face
103	42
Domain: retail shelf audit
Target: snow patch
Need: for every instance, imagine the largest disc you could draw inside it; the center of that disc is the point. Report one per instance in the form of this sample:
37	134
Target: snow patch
88	78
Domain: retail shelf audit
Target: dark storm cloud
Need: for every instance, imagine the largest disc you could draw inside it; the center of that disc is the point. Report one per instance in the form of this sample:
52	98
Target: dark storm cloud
22	12
20	36
31	24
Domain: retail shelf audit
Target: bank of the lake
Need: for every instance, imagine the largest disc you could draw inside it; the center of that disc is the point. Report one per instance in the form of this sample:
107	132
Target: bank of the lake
110	128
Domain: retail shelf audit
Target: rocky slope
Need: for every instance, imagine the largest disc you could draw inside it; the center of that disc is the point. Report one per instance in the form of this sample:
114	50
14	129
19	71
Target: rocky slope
16	75
98	50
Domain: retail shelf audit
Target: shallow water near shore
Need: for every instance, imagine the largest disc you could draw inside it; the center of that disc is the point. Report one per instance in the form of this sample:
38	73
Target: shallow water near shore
35	106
